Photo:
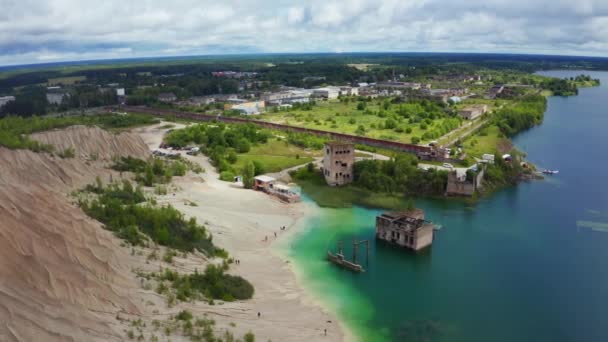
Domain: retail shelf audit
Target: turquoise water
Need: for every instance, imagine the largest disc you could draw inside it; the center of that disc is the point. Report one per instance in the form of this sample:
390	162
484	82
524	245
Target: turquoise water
530	263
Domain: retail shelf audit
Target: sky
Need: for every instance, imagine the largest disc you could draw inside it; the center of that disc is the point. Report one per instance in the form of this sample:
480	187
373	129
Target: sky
43	31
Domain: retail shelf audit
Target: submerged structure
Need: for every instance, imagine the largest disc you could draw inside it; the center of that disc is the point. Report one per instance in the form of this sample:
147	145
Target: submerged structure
338	160
407	229
341	261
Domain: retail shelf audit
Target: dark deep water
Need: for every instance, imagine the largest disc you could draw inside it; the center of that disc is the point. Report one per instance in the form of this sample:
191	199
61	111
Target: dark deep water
529	263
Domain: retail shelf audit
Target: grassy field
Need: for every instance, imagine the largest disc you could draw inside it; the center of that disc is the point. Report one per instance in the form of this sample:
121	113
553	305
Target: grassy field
276	156
488	140
343	117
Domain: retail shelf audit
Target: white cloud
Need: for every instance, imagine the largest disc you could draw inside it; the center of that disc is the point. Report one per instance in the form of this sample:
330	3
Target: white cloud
31	30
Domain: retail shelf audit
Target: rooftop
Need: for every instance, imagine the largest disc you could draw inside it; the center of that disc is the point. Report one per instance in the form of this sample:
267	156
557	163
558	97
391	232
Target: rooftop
407	219
265	179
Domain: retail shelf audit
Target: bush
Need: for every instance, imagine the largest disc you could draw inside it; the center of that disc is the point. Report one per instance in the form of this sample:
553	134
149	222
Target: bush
67	153
184	315
415	140
227	176
212	284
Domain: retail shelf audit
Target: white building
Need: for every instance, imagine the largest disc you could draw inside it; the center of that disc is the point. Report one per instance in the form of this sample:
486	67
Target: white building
6	99
250	108
120	91
287	97
349	91
55	98
329	93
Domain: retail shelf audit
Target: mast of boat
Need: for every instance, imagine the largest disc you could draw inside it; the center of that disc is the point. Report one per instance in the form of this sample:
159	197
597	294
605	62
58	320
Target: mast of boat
340	247
356	249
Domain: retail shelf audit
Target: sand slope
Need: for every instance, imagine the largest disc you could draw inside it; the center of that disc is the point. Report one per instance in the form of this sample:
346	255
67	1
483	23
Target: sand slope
62	277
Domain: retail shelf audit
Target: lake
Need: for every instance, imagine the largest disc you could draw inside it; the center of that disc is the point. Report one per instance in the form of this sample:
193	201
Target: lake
528	263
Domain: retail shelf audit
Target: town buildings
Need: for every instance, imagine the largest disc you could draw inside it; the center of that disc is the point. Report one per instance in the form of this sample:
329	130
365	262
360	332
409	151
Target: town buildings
397	86
167	97
406	229
338	160
234	74
473	112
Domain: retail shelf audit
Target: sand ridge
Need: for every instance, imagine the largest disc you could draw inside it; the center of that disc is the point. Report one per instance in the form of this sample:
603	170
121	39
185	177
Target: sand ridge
62	276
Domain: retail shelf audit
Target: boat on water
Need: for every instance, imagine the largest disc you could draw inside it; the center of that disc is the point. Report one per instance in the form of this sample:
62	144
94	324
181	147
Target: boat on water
550	172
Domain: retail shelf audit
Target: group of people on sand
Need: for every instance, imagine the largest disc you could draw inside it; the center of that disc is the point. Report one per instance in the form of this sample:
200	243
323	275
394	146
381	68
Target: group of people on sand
275	233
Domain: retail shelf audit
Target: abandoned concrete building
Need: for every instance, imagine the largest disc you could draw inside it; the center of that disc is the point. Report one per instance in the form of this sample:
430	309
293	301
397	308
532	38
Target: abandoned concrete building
473	112
463	182
338	160
406	229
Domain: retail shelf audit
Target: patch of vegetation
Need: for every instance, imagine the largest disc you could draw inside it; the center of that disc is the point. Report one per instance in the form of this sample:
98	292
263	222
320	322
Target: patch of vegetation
122	210
67	153
154	171
561	87
214	283
232	148
313	184
524	114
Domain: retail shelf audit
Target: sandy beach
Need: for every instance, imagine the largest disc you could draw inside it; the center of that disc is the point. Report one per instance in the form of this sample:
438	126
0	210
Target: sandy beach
245	222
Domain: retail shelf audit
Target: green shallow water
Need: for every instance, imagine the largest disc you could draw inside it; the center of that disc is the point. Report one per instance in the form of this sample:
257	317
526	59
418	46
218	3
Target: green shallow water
518	266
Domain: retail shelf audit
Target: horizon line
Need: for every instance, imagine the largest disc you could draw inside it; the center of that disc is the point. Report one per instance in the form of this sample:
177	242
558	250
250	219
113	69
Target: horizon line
100	61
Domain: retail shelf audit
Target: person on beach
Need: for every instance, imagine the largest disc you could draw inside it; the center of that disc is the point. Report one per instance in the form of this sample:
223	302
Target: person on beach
275	234
325	332
259	314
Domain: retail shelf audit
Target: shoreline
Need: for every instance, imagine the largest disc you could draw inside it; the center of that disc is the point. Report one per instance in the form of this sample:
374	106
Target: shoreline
281	247
240	220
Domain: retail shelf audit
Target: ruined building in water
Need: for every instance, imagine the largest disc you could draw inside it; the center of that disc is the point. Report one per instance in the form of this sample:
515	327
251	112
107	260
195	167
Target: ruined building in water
406	229
338	161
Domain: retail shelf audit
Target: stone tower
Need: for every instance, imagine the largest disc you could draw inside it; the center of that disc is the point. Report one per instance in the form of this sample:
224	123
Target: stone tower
338	160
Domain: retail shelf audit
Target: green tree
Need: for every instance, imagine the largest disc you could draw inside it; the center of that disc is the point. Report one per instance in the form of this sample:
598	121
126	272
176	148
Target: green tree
248	174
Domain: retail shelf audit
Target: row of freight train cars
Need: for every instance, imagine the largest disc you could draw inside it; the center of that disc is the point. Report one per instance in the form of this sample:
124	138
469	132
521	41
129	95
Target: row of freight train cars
422	151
